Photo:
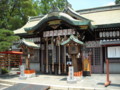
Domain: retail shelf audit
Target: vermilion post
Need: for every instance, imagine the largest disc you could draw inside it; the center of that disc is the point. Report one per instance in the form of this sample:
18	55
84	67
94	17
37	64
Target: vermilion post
107	73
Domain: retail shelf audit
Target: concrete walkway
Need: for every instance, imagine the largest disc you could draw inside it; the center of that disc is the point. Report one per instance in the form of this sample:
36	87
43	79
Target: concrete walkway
94	82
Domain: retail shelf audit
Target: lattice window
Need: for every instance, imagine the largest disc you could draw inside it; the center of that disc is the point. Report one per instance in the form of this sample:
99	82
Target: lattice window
97	56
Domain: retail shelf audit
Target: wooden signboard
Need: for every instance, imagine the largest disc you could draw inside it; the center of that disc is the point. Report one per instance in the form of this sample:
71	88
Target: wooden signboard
73	49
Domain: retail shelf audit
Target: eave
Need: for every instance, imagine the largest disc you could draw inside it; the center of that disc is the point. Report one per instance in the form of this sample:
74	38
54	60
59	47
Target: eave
72	38
58	16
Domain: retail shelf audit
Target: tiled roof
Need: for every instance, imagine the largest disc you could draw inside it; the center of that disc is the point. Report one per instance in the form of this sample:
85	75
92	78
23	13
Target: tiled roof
105	17
29	43
28	24
100	16
72	38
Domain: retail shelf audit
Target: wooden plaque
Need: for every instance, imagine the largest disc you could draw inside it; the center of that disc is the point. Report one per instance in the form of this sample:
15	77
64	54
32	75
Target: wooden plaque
73	49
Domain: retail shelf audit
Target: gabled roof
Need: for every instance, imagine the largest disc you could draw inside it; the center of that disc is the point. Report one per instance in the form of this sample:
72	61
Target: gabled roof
28	24
59	16
28	43
72	38
100	16
68	15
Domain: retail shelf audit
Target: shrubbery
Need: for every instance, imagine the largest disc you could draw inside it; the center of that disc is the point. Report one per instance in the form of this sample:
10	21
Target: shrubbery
4	70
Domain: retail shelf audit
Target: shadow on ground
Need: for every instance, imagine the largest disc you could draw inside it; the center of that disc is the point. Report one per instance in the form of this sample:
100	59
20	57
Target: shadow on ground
7	76
115	85
63	79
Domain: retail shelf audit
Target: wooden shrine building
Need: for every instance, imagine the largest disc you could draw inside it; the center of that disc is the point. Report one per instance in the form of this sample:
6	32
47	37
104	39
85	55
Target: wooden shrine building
98	28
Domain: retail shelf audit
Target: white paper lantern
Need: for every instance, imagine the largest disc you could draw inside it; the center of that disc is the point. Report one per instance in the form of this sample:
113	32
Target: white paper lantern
107	34
114	34
118	33
103	34
100	34
110	34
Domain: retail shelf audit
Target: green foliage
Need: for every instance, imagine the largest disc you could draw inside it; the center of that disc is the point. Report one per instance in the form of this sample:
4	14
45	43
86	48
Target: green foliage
4	70
117	1
44	6
7	38
14	13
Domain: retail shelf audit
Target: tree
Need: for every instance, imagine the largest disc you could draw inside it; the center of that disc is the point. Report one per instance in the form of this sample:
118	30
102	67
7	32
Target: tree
3	12
117	1
44	6
14	13
7	38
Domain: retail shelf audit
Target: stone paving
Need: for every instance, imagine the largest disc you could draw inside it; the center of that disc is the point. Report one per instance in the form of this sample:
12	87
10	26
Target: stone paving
56	82
21	86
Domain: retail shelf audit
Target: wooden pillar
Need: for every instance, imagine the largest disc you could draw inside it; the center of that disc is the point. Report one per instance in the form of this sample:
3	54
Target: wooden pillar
64	56
27	62
42	57
89	58
90	65
20	59
65	59
59	68
46	55
52	42
74	63
82	58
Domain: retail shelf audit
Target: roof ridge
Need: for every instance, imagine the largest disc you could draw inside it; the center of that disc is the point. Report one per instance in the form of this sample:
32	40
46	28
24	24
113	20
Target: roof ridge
32	18
98	9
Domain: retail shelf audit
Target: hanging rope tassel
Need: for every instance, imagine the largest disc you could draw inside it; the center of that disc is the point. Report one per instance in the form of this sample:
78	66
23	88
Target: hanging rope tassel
59	67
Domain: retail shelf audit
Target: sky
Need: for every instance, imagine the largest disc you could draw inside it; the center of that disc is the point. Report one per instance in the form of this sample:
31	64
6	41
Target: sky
84	4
